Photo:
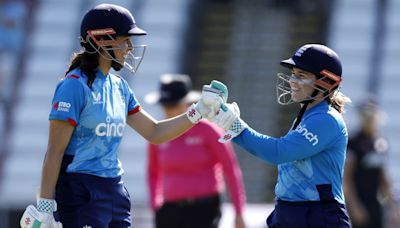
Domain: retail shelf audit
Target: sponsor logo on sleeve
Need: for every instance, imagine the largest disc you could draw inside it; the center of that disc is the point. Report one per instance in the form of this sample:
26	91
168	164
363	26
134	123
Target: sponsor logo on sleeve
311	137
61	106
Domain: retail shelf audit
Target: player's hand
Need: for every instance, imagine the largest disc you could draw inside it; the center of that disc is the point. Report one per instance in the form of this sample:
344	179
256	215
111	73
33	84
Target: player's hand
40	217
227	115
32	218
228	118
210	101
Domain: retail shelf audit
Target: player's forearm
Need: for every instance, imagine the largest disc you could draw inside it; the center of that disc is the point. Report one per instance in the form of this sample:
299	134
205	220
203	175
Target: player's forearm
170	128
233	177
50	172
261	146
157	132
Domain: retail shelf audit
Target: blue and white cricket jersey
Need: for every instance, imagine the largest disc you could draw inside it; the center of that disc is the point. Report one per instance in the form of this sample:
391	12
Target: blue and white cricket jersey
310	158
99	115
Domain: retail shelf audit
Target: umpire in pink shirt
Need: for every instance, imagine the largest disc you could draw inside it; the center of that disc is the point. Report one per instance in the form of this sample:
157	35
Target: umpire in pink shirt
186	175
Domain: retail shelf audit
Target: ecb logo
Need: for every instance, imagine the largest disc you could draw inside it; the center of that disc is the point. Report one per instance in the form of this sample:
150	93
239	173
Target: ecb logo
301	50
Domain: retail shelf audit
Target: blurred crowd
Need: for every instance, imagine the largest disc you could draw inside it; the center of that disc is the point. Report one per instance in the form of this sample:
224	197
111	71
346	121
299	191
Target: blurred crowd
12	17
14	29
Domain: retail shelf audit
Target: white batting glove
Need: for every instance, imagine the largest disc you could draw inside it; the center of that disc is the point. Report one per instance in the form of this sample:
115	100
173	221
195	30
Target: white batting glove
212	97
40	217
228	118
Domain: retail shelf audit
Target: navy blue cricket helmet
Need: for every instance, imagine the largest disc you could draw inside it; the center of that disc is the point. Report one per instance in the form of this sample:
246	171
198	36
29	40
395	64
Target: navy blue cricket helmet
102	24
110	16
315	58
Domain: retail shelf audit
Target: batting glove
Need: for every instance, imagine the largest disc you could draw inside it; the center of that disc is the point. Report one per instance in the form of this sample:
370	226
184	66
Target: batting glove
212	97
228	118
42	216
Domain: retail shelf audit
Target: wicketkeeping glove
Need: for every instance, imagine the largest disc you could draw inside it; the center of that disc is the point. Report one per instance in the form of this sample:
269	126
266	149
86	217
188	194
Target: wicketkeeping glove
228	118
42	216
212	97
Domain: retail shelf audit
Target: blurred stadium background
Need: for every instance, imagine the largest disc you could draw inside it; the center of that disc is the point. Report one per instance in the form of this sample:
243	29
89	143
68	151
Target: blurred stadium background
239	42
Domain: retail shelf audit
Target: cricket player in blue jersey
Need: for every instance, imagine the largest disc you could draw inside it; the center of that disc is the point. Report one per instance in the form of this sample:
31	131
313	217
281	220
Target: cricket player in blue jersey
311	156
90	109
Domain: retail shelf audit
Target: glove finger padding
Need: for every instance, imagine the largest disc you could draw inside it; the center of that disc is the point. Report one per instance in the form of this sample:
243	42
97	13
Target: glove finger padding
217	87
212	97
227	115
211	103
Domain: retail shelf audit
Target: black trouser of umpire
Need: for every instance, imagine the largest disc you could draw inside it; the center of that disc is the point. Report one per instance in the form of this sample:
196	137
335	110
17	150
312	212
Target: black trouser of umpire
194	213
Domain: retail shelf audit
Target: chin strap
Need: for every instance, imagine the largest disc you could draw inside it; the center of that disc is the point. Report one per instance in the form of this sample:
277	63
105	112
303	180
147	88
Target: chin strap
300	115
303	109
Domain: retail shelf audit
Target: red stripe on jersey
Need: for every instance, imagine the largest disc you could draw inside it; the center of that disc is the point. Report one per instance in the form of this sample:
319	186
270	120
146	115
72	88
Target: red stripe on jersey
135	110
72	122
73	76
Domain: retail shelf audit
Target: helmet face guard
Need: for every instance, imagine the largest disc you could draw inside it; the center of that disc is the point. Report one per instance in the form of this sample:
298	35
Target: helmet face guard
318	59
284	90
134	58
109	45
99	29
326	85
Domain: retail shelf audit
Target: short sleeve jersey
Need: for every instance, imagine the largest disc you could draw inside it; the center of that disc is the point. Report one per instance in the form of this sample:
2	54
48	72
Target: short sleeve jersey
99	115
310	158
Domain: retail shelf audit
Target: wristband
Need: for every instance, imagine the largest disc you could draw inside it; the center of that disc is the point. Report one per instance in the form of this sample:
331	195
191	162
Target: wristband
46	205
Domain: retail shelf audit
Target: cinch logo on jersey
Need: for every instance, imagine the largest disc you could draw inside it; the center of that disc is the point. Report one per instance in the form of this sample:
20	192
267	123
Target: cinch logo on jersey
110	129
62	106
307	134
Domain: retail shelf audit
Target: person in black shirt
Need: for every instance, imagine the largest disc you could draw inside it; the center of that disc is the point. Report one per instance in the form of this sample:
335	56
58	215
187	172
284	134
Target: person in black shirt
365	178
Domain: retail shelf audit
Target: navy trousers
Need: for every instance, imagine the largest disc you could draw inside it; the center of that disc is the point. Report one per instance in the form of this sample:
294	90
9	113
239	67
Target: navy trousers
90	201
308	215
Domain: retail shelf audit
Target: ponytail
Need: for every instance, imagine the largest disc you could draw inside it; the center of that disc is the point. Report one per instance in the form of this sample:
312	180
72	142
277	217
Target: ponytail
87	63
338	100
